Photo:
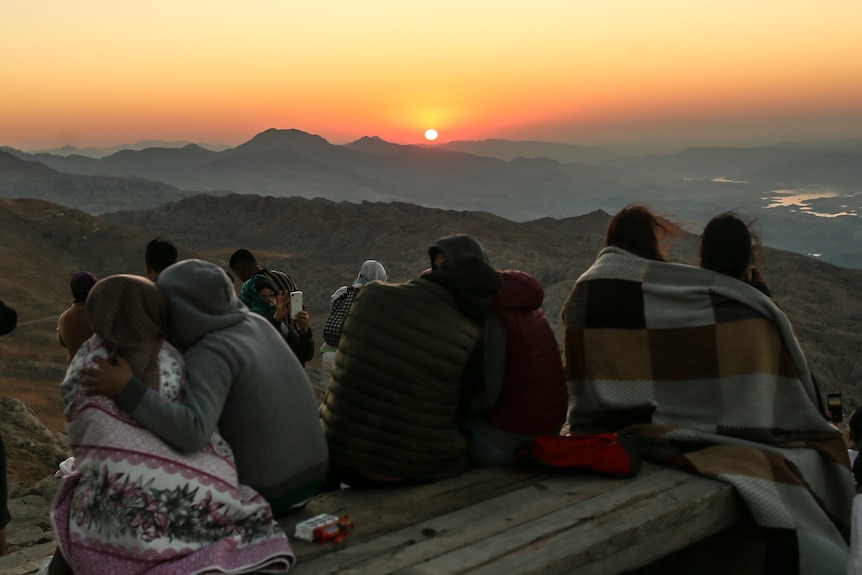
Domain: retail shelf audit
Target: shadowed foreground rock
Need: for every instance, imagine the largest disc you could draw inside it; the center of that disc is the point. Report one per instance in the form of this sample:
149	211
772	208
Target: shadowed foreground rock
34	453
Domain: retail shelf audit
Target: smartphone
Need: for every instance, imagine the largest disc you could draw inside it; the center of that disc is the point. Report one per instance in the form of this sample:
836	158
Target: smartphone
835	406
295	302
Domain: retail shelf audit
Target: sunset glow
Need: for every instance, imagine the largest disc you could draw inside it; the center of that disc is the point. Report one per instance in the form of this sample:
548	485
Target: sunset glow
100	73
431	134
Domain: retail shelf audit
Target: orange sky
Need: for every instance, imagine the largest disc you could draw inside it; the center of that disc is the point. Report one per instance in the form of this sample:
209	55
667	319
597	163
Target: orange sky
95	73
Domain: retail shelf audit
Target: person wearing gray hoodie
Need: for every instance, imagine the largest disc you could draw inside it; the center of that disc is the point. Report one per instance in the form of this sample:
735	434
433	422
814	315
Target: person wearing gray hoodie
242	378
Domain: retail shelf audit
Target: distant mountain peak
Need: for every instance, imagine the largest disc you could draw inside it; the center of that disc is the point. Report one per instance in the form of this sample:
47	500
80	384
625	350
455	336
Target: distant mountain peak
369	140
282	139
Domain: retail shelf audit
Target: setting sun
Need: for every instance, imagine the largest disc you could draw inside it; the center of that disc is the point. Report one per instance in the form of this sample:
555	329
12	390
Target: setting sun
431	134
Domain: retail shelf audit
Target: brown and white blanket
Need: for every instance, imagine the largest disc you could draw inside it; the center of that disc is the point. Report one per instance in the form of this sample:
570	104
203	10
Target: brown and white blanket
707	373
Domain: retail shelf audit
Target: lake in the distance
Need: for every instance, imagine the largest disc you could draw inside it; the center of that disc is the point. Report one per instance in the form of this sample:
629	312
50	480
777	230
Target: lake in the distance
817	201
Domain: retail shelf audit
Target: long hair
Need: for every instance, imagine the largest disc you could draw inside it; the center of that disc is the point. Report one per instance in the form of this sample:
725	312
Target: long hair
728	245
636	229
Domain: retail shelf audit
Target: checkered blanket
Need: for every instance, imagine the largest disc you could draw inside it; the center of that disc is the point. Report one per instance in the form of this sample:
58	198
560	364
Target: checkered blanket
707	373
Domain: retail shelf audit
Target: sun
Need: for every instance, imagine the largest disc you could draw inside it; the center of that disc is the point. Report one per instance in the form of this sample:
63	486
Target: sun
431	134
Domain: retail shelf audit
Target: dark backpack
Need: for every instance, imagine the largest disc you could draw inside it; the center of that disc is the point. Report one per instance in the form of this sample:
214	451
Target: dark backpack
337	315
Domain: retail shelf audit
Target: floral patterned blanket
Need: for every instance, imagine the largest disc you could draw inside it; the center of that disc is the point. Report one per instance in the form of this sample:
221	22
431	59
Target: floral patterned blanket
137	506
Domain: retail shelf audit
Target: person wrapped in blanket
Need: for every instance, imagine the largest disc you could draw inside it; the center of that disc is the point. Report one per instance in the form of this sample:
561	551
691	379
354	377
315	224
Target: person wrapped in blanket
339	306
242	379
728	246
134	504
706	373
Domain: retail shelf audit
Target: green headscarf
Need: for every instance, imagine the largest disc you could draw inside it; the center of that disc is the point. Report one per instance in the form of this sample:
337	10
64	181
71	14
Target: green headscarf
249	296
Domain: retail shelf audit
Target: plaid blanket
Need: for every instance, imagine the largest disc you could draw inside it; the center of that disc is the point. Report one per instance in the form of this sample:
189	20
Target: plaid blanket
137	506
707	373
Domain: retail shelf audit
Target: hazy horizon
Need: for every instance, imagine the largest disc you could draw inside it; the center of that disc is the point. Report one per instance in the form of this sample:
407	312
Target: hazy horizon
619	147
632	72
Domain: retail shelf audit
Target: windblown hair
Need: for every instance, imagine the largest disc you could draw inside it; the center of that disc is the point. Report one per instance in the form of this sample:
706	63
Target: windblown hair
728	245
636	229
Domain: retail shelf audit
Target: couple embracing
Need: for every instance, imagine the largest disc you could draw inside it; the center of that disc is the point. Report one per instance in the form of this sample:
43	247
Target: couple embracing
187	454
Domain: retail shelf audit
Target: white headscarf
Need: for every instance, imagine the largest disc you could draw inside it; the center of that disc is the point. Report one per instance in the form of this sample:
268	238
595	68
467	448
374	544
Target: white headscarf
371	270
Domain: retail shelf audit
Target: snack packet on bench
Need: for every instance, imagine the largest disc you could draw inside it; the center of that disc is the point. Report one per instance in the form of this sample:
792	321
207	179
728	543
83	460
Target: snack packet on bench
335	532
305	529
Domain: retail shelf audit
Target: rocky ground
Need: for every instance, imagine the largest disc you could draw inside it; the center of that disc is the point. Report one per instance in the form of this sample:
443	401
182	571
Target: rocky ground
34	453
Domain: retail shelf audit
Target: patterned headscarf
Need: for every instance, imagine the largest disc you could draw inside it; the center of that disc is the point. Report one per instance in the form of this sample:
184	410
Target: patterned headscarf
249	296
130	314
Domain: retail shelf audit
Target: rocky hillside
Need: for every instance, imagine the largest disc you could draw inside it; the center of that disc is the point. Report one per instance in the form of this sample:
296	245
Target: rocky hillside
322	244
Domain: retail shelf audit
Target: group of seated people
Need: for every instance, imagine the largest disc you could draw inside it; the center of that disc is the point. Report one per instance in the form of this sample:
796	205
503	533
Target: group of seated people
194	427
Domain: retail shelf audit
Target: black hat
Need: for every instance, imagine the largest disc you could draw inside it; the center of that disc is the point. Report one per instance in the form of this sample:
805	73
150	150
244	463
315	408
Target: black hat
8	319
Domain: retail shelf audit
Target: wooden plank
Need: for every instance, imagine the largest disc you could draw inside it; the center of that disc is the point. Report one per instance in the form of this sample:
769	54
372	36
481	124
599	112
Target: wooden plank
463	533
26	561
462	526
614	532
379	511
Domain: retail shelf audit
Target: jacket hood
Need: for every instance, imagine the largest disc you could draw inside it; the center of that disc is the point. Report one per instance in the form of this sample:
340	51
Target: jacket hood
201	300
519	290
458	245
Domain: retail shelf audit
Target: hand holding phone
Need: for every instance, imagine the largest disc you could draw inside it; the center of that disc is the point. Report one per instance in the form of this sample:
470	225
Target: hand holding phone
295	303
835	407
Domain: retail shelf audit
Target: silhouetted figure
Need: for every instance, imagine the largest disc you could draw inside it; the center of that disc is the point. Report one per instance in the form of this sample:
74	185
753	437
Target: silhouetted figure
8	321
160	254
73	327
245	266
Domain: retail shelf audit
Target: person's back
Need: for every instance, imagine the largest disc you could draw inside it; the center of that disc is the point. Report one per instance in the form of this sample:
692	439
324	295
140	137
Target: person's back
209	523
340	302
239	366
708	374
728	246
73	327
533	399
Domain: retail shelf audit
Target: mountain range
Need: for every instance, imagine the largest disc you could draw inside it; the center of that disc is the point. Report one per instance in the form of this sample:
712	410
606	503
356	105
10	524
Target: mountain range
520	181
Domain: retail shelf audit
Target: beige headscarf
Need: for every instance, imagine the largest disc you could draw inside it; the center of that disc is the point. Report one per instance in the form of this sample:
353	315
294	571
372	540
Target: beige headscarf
130	314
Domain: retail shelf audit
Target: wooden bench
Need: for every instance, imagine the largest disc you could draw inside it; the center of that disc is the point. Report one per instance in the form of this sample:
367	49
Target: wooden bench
490	521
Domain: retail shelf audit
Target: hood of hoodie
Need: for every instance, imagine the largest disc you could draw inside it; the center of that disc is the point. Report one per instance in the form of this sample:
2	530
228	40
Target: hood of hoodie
458	245
519	290
201	300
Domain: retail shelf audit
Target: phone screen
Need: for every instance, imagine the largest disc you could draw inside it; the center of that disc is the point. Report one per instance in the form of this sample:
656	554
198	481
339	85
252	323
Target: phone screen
834	407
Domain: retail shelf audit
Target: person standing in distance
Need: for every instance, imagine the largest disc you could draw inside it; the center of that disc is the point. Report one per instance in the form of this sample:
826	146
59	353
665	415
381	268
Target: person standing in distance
8	321
160	254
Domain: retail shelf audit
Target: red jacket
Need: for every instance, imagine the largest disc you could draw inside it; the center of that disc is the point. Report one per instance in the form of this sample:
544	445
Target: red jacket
534	397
